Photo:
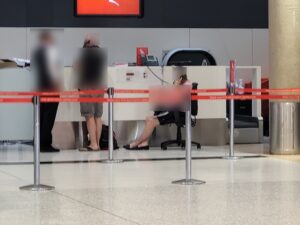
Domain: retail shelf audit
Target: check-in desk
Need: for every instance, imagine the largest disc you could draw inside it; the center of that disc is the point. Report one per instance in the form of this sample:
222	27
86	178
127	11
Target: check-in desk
129	117
16	120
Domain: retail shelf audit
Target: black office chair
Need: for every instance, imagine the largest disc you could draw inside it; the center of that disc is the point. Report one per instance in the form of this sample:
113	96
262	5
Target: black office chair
180	123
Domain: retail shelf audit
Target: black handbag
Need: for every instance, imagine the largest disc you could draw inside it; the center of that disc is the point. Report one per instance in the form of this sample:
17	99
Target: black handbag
104	139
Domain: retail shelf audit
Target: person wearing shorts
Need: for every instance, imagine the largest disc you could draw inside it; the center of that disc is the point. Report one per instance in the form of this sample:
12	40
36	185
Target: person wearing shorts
91	109
91	66
159	118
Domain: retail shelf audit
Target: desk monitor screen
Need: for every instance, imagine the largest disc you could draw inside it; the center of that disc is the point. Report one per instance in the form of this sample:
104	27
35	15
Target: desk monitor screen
108	7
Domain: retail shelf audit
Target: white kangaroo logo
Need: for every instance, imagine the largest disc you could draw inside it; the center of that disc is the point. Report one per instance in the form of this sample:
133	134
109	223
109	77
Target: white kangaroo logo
114	2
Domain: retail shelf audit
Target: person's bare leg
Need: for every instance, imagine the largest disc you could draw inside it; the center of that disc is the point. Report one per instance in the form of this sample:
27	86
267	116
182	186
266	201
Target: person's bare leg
151	124
92	129
98	122
144	143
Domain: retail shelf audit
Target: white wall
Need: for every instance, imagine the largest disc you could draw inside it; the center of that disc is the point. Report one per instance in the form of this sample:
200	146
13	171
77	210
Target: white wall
13	42
247	46
261	50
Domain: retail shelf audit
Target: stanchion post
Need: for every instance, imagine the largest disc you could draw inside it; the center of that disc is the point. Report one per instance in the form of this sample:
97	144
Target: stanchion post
231	155
188	147
110	92
37	186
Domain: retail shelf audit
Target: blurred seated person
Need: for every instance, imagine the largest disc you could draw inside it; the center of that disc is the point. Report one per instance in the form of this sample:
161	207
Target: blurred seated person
167	103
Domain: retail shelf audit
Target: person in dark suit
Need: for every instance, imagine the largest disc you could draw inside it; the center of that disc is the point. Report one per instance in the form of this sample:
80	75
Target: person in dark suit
47	67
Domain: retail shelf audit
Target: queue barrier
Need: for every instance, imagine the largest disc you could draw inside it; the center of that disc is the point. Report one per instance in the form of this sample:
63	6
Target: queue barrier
37	186
76	96
145	100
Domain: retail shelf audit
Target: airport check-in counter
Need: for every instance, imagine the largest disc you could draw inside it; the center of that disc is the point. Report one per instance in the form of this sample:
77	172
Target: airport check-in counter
211	127
129	117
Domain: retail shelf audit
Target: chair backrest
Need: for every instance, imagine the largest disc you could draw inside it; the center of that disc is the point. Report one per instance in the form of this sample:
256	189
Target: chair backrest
180	116
194	103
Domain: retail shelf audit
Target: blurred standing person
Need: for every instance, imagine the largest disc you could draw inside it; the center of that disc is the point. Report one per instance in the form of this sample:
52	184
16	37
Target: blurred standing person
91	68
48	69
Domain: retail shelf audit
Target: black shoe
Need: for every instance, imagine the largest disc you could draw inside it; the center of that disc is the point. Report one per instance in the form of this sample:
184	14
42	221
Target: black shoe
49	149
93	150
127	147
144	148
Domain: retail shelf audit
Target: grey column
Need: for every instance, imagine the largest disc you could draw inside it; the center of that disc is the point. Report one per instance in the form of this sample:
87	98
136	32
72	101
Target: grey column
284	31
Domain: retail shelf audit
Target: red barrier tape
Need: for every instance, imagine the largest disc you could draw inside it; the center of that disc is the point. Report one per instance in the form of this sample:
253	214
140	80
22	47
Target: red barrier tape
248	97
95	100
251	90
127	91
15	100
119	91
145	100
209	90
65	93
53	96
142	91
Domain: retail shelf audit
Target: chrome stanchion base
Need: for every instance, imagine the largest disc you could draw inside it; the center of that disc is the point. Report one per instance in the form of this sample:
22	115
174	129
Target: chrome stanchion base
189	182
232	157
115	161
40	187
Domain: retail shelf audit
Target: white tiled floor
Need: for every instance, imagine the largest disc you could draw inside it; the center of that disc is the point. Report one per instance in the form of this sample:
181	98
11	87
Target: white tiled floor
253	191
23	153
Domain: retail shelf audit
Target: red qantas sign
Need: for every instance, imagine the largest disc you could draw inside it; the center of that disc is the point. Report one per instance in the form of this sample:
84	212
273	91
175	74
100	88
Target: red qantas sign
108	7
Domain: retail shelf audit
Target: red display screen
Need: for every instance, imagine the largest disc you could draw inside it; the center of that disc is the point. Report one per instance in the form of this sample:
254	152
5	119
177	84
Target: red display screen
108	7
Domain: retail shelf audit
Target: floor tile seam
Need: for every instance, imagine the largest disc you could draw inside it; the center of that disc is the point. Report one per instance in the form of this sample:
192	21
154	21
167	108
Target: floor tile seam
11	175
96	208
130	160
